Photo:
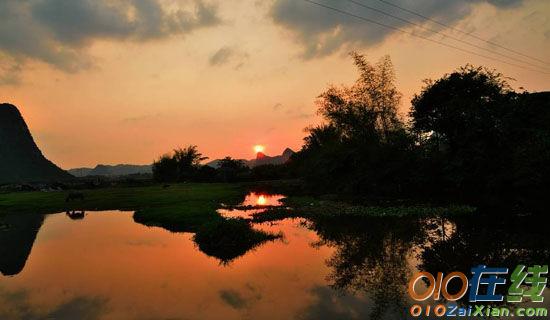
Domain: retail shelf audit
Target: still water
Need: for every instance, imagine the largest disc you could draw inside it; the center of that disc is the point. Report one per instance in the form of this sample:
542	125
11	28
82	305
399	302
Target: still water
103	265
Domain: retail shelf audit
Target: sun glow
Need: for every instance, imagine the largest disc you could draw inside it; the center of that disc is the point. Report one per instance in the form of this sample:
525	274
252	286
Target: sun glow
259	148
261	200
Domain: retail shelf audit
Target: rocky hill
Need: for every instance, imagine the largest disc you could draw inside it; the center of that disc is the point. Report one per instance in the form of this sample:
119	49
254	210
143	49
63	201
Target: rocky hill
261	159
112	171
20	158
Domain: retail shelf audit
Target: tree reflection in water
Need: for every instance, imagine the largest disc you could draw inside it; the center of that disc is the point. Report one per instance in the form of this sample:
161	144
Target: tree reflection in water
372	256
498	242
377	256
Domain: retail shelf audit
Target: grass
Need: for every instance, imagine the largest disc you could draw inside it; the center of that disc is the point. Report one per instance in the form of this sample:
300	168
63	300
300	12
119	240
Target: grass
312	208
180	207
193	208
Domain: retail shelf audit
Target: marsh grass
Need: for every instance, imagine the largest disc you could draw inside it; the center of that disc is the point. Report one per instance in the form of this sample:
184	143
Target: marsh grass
313	208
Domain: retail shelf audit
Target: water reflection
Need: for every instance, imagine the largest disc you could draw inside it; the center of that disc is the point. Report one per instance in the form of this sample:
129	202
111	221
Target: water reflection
76	214
262	199
108	267
17	236
253	203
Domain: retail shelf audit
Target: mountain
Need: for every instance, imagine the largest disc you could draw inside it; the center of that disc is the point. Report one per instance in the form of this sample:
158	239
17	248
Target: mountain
17	235
111	171
261	159
20	158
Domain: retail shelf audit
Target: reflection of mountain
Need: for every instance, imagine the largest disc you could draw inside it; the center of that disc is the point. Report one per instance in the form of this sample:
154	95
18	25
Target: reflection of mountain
261	159
20	158
17	235
111	171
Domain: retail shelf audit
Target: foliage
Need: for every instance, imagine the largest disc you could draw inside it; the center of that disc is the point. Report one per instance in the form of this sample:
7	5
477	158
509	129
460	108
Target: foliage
363	145
368	109
182	165
270	172
228	239
471	138
232	170
179	207
481	138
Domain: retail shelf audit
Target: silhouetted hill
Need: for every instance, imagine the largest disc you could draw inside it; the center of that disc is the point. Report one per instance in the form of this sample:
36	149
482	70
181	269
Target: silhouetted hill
17	235
261	159
111	171
20	158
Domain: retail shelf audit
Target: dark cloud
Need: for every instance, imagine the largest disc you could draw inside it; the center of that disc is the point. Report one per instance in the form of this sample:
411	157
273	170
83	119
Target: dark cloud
56	32
83	308
221	56
226	55
292	112
233	299
241	299
10	72
322	31
17	305
331	305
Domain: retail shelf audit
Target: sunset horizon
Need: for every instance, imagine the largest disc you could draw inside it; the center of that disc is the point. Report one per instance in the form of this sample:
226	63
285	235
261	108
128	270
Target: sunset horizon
274	159
234	75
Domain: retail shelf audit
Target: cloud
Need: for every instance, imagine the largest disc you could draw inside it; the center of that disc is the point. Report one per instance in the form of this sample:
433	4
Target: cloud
226	55
292	112
142	118
17	305
331	305
10	71
233	299
240	299
57	32
322	31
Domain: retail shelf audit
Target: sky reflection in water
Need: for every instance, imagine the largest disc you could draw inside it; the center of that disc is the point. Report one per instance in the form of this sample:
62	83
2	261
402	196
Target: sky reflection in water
103	265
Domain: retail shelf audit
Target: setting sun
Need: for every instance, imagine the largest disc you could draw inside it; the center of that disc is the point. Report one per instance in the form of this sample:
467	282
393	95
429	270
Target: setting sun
261	200
259	148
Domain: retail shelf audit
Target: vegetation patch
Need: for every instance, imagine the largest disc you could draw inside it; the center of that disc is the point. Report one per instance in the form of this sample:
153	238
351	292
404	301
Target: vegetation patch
227	239
312	208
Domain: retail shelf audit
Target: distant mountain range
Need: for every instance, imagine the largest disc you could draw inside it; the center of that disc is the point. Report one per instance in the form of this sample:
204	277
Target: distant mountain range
111	171
261	159
20	158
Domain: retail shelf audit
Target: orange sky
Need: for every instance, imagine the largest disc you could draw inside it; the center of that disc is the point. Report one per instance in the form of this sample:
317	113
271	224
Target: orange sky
111	93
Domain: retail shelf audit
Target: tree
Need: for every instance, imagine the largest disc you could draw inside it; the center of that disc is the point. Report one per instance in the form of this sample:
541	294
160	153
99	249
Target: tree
363	146
182	165
460	118
231	170
188	160
368	109
165	169
462	106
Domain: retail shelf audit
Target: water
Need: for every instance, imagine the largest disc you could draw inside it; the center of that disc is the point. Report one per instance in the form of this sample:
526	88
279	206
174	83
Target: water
103	265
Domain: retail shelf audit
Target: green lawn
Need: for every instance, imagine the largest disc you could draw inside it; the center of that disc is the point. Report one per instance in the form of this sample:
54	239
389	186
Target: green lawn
180	207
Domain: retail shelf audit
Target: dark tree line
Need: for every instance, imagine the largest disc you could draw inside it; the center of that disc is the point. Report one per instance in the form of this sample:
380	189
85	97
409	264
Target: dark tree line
184	165
470	137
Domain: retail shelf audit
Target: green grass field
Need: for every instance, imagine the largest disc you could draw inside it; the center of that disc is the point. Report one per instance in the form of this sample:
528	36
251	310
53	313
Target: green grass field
180	207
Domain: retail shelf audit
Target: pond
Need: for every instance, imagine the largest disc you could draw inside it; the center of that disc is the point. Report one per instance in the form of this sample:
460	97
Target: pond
103	265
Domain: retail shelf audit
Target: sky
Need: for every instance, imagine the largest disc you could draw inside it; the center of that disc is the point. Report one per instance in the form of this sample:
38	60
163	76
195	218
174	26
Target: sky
124	81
